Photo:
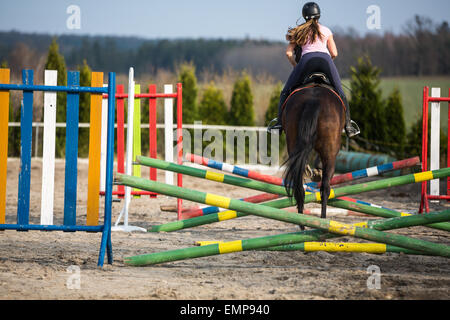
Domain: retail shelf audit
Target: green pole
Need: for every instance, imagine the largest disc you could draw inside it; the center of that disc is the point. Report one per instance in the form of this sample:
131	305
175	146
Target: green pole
211	175
271	242
342	247
283	203
381	212
332	247
277	214
309	197
381	184
397	223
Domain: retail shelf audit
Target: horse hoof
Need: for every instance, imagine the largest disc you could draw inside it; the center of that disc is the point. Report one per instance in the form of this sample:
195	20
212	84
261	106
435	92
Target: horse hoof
316	175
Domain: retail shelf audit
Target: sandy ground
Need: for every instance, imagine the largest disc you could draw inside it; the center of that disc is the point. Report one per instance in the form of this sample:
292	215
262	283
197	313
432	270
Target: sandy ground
40	265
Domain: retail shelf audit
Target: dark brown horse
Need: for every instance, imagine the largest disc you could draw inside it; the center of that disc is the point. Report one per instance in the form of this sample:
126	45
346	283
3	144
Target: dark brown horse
313	118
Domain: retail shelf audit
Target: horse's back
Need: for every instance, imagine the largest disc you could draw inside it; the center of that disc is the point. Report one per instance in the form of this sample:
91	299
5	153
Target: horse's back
331	111
330	119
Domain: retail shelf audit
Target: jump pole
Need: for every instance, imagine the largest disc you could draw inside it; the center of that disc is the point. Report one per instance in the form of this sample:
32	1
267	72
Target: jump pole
351	176
312	197
325	226
259	198
358	174
314	246
257	185
230	214
210	175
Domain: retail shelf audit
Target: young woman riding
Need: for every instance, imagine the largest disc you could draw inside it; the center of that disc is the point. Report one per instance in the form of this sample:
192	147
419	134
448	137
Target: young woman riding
318	50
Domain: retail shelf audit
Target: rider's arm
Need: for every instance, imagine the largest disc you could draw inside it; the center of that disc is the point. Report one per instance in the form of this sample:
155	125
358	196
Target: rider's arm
290	53
332	47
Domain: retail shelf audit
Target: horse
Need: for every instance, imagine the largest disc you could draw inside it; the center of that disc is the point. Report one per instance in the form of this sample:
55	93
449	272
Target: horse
313	118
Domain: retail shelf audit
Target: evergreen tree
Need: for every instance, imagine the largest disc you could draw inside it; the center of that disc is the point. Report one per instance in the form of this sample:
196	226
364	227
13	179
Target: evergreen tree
272	110
212	108
414	141
55	61
241	110
271	113
396	131
189	81
85	101
366	104
13	132
414	138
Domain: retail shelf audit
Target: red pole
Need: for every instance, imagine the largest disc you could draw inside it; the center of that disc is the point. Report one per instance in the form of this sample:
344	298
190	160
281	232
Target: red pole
152	129
120	137
448	145
424	200
179	143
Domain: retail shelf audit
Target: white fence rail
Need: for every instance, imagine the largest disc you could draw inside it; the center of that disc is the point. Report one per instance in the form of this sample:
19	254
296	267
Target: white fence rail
39	125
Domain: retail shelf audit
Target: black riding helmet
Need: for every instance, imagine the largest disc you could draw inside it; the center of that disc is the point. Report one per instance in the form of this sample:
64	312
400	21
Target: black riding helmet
311	10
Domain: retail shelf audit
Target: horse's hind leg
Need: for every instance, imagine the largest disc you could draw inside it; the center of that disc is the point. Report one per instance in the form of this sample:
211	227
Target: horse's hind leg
325	188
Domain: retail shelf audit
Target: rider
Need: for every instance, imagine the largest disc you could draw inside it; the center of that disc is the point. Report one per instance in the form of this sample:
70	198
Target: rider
317	51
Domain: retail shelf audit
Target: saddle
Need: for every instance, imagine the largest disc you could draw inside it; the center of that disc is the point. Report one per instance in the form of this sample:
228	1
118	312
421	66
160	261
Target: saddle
315	79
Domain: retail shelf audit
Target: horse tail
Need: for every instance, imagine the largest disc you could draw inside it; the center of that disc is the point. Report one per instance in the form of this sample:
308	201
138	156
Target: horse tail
296	163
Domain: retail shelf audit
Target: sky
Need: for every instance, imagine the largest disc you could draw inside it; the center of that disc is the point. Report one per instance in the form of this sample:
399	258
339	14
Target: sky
226	19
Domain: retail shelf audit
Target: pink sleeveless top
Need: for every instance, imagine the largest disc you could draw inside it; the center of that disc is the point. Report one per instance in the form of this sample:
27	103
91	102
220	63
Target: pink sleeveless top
318	45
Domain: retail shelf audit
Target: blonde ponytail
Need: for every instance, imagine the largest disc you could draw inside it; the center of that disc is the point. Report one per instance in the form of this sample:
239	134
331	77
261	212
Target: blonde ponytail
304	33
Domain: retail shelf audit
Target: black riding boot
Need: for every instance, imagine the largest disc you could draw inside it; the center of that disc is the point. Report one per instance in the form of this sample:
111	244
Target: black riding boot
351	128
277	125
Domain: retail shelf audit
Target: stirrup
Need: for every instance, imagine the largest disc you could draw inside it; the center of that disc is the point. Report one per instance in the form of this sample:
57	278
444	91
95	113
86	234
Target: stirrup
275	126
353	130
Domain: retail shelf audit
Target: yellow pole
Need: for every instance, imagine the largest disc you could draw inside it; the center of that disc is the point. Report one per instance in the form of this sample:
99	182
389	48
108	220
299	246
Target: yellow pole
95	131
4	119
